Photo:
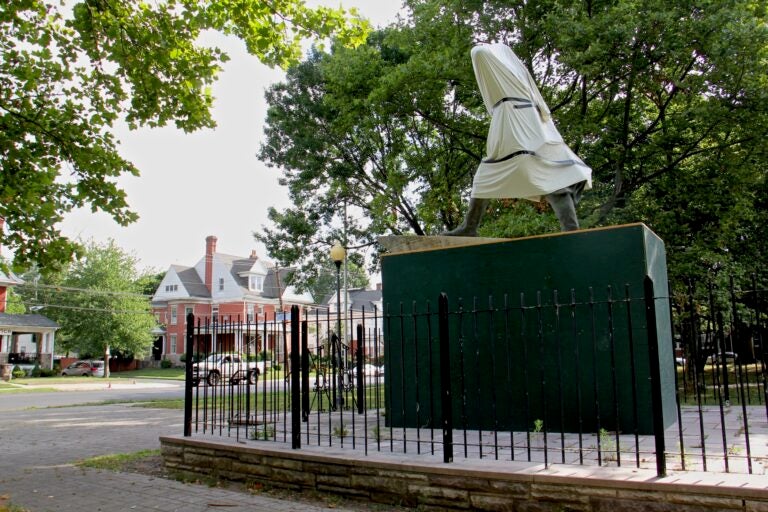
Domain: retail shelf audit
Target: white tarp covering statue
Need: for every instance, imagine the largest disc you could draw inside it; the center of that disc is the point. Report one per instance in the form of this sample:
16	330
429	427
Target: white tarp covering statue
525	154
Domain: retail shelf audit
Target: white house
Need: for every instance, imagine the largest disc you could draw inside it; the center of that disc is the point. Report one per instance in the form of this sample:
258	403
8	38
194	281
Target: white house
25	339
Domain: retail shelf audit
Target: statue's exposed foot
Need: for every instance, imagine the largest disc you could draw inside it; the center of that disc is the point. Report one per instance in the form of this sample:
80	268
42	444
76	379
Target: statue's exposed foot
472	220
462	230
564	202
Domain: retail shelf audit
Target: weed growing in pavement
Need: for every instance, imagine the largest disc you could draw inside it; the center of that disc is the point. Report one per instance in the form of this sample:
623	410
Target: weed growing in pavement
607	445
263	434
7	506
340	432
115	462
10	507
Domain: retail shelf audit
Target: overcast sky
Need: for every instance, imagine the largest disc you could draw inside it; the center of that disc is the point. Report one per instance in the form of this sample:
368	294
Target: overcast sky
209	182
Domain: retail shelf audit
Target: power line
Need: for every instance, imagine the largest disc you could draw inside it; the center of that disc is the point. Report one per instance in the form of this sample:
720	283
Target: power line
84	290
30	305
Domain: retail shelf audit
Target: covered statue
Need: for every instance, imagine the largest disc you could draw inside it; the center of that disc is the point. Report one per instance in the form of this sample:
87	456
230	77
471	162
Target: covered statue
525	154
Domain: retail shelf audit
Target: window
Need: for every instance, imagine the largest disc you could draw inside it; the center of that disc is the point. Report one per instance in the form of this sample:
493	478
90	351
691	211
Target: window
256	283
215	312
174	314
221	283
187	311
173	343
171	287
250	313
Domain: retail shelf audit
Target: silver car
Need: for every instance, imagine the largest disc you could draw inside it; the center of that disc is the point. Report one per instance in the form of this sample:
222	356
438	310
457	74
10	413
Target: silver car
85	369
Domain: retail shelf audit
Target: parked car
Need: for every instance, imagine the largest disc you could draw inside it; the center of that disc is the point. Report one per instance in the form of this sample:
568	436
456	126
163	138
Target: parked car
231	367
369	370
85	368
730	357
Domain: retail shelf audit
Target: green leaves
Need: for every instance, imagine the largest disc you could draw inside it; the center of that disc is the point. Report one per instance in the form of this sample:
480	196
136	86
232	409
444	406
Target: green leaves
100	301
66	78
665	100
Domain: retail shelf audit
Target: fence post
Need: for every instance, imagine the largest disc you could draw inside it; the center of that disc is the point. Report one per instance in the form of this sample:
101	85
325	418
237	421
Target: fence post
445	378
188	375
359	363
655	377
295	389
304	372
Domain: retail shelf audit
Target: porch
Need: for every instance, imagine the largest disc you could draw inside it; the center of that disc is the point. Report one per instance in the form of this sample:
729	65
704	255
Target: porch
27	340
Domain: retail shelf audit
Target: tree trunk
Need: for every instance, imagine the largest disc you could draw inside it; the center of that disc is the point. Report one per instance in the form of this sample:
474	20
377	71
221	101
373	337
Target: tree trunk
106	361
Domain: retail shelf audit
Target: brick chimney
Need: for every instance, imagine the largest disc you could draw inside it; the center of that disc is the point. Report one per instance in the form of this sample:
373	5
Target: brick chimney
210	249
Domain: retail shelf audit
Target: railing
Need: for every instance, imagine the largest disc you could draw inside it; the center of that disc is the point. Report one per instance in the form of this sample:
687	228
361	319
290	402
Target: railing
22	358
537	379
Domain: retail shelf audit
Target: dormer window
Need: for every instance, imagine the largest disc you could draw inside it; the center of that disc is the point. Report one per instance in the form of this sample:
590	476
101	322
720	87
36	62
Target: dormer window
256	283
221	284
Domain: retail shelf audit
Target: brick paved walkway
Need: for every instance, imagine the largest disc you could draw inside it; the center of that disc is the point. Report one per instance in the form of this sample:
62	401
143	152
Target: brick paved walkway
39	447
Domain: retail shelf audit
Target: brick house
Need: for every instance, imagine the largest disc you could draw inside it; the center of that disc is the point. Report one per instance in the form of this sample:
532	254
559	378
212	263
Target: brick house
233	290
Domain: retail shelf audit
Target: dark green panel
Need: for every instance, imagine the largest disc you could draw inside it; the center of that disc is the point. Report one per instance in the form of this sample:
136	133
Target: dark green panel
546	309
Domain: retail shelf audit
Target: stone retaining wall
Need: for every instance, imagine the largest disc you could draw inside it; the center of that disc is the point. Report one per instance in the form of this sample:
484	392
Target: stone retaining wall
486	485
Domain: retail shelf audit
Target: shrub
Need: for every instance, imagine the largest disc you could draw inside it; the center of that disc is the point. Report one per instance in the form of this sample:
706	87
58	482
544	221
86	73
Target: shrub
18	373
36	370
166	363
45	372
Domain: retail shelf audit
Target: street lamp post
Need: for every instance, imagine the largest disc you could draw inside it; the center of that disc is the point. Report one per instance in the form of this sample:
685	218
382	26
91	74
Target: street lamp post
337	255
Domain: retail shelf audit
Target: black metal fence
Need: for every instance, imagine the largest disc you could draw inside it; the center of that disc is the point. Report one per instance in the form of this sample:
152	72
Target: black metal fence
584	381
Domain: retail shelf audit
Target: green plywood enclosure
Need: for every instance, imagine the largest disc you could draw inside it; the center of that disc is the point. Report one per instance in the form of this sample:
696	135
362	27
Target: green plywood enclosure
548	330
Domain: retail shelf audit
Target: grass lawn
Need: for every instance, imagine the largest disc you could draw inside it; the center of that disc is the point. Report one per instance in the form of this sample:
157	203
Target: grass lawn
152	373
277	400
147	373
710	385
8	389
42	381
171	374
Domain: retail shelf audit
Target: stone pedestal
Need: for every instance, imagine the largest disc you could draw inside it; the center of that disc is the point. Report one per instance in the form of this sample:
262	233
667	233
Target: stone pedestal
541	331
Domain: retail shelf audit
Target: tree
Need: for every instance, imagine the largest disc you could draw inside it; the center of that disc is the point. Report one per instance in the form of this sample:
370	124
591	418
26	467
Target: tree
149	281
324	283
344	133
665	101
67	77
14	304
99	303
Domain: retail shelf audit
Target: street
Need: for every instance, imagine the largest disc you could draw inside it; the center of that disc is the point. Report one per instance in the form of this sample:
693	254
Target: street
92	392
